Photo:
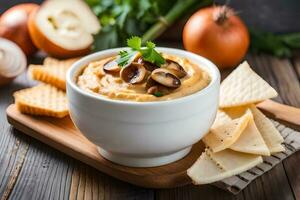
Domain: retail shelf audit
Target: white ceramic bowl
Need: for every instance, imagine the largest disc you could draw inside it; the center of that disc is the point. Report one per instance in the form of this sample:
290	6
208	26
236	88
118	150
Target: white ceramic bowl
143	134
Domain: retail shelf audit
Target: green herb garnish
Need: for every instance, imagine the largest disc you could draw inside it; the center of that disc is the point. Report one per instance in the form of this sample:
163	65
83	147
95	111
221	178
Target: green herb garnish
124	57
121	19
158	94
280	45
148	52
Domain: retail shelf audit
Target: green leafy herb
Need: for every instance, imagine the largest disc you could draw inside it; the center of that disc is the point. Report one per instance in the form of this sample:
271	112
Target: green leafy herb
158	94
148	53
151	55
125	57
135	43
280	45
121	19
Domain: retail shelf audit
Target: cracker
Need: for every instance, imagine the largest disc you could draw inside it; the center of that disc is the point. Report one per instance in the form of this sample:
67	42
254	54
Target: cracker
231	160
49	61
251	141
236	112
270	134
243	86
221	118
43	99
205	170
266	128
53	72
224	135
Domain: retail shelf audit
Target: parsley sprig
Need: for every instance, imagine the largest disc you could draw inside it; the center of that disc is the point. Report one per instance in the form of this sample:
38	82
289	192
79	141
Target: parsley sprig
148	52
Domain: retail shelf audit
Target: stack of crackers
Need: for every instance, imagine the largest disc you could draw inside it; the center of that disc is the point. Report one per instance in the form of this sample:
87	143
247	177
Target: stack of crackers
241	134
49	97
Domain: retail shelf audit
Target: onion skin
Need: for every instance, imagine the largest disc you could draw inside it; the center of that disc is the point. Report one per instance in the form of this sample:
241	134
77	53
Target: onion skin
43	43
225	43
12	61
13	26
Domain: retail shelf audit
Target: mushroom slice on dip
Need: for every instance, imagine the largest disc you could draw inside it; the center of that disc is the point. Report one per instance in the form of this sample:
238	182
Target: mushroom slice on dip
130	83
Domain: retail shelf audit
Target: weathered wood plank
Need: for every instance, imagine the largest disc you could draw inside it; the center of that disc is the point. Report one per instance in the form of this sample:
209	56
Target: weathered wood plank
292	163
88	183
289	90
206	192
291	166
43	175
13	166
273	185
288	84
13	146
282	76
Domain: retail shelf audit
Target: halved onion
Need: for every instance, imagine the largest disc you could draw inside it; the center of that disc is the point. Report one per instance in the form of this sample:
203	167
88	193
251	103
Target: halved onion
63	28
12	61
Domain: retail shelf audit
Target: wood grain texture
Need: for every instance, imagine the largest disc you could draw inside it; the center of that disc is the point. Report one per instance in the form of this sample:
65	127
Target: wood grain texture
281	75
86	185
285	186
289	90
13	146
62	135
206	192
282	113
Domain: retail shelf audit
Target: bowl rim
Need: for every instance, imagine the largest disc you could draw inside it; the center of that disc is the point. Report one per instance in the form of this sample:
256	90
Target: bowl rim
73	71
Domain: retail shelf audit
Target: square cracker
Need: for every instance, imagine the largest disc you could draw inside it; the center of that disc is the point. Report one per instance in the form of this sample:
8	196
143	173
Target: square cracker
49	61
43	99
53	72
243	86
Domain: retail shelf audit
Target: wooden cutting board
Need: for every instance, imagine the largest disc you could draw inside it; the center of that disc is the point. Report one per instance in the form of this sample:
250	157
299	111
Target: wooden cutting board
62	135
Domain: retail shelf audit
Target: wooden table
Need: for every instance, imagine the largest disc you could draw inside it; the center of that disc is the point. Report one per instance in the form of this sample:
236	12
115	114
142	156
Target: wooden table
30	169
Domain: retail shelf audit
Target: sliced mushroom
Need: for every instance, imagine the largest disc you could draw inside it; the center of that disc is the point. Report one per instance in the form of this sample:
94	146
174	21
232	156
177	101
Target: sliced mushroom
111	66
159	90
175	68
156	89
134	73
166	78
150	82
148	65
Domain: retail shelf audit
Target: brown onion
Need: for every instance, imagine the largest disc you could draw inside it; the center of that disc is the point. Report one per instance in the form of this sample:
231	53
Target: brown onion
217	34
13	26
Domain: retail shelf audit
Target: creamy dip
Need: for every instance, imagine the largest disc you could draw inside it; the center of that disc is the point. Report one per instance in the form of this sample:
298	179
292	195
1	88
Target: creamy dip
94	79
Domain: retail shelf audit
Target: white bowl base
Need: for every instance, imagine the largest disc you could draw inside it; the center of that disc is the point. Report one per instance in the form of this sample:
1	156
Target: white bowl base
131	161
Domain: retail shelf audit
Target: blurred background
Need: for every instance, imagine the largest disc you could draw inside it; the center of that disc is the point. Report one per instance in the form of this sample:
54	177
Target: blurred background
270	15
